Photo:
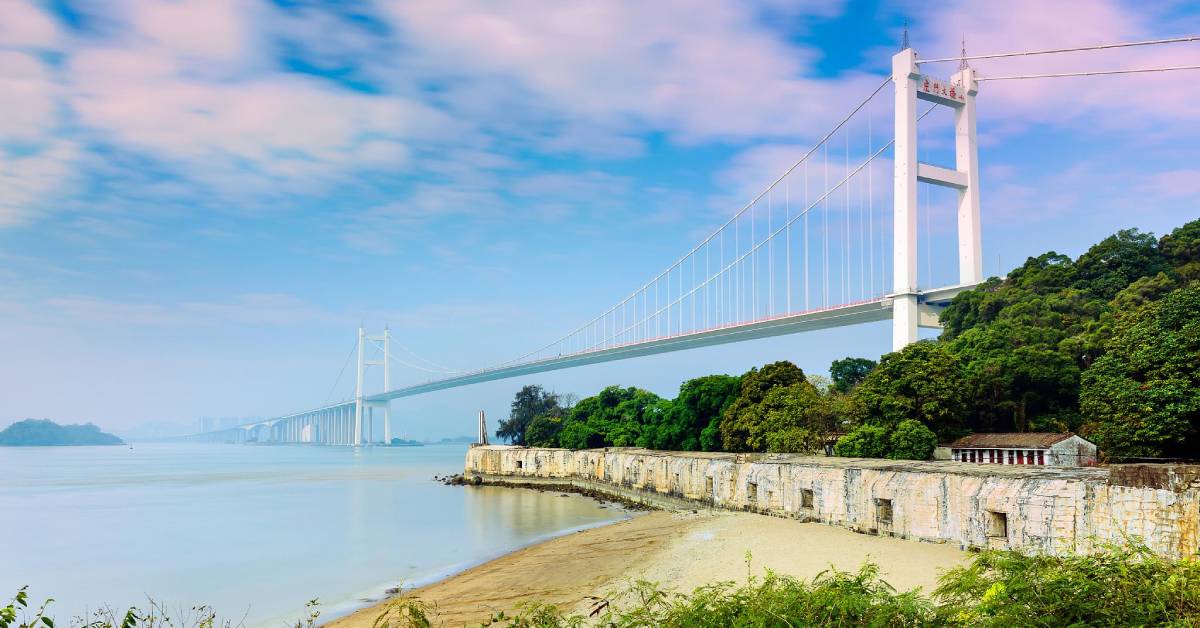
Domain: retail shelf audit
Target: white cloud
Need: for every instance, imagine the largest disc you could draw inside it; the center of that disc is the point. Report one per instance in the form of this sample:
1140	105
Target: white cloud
29	181
700	74
259	309
206	30
28	104
1096	104
25	25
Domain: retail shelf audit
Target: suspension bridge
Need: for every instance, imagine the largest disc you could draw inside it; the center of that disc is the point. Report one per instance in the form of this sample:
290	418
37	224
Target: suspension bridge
831	242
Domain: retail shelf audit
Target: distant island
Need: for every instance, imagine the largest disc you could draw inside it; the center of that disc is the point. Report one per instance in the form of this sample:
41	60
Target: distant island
453	439
400	442
34	432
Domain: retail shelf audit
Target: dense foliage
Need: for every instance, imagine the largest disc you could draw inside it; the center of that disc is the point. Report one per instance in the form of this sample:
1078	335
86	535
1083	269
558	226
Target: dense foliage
1121	586
1107	345
530	403
34	432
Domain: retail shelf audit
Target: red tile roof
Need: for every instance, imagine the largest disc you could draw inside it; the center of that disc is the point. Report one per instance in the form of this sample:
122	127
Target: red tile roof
1011	440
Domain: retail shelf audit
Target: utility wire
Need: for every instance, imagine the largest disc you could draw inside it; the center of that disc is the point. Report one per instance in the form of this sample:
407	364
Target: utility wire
1096	73
999	55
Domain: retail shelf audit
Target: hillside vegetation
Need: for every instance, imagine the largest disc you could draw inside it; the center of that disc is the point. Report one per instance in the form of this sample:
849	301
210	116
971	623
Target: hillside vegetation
1106	345
34	432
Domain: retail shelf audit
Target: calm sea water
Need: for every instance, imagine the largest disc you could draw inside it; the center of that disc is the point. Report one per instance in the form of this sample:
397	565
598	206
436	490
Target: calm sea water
253	531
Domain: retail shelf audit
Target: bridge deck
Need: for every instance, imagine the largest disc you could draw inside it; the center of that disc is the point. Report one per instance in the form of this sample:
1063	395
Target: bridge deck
867	311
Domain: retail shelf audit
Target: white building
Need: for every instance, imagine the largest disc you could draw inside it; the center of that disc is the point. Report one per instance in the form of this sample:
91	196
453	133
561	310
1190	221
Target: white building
1028	448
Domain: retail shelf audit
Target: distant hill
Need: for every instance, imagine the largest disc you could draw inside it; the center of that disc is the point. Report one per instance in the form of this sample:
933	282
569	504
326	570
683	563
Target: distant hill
453	439
400	442
34	432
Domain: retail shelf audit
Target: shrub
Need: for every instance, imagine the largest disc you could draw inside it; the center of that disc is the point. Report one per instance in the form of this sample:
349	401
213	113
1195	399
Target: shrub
911	440
864	441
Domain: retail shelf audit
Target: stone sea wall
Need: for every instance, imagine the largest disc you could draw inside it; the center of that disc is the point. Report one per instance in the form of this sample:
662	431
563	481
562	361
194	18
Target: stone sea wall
1037	510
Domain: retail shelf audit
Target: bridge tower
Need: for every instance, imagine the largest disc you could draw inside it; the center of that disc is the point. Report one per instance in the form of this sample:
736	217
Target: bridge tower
362	407
957	93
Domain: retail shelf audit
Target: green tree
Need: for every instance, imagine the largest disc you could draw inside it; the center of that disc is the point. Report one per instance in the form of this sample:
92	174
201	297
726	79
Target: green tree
1018	378
784	408
543	431
753	388
1117	261
1181	248
924	382
911	441
700	403
1142	396
848	372
580	435
864	441
530	402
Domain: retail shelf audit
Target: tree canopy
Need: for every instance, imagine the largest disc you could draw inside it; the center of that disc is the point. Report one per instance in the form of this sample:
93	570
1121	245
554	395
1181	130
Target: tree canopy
530	402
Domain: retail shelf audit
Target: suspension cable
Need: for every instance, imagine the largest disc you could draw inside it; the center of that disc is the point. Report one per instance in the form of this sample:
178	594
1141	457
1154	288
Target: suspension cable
999	55
1095	73
425	359
340	373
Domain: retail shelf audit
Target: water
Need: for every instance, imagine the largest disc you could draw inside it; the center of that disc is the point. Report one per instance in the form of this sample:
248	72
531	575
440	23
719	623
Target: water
254	531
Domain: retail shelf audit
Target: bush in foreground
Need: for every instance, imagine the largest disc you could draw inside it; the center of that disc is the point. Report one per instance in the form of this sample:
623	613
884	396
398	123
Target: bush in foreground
1119	586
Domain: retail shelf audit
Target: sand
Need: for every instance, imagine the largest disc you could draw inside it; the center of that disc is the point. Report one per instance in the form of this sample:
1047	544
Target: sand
681	550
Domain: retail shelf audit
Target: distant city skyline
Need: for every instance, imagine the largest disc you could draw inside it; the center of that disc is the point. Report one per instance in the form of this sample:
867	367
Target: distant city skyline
201	201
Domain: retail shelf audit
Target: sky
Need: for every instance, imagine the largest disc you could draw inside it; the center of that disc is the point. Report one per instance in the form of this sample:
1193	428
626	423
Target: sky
201	200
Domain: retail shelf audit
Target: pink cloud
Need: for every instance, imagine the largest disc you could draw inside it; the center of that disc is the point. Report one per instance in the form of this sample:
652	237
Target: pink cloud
1121	103
701	74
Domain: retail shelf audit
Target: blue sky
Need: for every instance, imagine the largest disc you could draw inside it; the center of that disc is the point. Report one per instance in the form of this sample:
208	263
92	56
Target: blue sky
200	201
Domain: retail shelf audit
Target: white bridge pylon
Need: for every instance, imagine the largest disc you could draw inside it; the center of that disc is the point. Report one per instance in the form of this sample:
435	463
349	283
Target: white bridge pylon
958	93
809	252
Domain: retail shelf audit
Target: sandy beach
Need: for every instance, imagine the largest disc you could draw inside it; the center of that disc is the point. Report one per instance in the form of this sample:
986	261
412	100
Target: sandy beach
682	550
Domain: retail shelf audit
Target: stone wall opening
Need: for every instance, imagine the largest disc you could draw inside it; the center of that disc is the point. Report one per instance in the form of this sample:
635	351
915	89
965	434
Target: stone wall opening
806	498
752	492
883	511
520	463
708	486
997	524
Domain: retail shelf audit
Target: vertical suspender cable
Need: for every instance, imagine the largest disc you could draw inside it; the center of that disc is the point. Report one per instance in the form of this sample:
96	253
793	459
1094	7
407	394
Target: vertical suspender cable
871	199
846	225
825	232
787	213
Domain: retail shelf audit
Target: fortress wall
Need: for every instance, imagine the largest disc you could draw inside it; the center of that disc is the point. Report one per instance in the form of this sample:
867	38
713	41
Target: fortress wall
1050	510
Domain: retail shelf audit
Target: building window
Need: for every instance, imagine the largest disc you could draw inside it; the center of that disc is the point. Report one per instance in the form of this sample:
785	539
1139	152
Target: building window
883	511
997	524
520	464
806	498
752	492
708	486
